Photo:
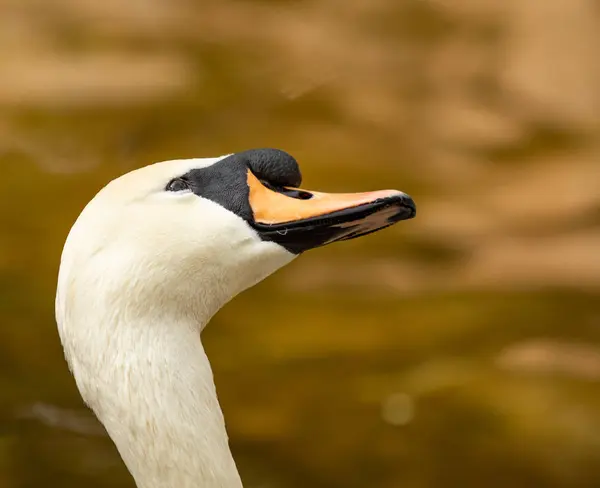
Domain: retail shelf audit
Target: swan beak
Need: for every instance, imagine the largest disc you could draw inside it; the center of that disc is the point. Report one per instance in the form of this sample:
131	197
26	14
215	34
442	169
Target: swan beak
300	220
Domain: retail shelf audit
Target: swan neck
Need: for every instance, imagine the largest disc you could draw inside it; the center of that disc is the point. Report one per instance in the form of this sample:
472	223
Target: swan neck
160	408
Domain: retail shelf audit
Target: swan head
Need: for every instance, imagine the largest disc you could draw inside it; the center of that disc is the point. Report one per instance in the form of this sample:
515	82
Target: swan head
185	236
148	262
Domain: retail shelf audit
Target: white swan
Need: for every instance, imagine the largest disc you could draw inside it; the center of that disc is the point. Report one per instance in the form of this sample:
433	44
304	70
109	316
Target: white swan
146	265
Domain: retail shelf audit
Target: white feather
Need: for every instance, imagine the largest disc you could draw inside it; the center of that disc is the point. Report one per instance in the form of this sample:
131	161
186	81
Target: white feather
142	272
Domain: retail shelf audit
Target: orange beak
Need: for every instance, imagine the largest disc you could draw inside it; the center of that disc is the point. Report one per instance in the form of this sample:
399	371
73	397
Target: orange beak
300	220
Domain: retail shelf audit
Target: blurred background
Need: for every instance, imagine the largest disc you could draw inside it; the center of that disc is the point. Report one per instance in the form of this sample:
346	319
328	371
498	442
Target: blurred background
459	349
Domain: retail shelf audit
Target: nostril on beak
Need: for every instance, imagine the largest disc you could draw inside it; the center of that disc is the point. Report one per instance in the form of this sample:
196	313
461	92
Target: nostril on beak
294	193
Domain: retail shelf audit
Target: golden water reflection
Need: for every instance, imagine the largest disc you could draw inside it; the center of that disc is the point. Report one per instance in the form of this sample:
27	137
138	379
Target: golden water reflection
460	349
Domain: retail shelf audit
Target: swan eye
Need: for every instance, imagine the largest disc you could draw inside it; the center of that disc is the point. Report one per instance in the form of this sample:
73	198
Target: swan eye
178	184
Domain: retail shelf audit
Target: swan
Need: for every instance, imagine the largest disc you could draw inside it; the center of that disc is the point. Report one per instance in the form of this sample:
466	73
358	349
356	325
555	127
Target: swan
150	259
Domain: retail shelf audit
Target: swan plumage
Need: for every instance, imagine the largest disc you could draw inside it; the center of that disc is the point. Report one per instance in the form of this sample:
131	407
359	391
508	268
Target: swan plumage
153	256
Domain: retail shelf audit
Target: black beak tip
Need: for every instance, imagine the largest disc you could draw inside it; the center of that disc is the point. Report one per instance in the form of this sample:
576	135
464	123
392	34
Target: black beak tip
410	205
407	209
